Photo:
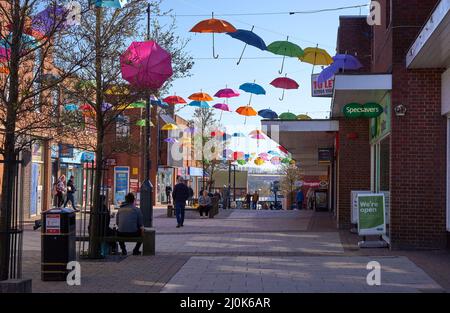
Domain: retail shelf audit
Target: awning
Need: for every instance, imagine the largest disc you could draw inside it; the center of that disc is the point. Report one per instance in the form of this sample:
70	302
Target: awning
303	139
359	88
432	47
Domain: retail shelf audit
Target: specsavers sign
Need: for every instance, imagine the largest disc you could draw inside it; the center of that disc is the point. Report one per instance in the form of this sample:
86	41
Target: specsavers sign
371	219
368	110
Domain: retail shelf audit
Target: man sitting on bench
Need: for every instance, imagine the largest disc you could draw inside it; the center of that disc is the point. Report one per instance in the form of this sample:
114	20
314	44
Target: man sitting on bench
130	223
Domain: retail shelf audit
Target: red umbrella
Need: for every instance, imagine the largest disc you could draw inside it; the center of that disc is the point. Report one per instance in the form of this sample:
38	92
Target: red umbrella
284	83
174	100
146	65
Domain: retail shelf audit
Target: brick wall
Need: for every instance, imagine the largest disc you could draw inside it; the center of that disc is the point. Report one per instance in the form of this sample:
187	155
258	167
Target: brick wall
353	166
418	161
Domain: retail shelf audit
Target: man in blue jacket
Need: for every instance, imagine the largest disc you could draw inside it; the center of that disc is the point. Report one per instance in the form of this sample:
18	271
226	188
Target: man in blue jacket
180	194
300	198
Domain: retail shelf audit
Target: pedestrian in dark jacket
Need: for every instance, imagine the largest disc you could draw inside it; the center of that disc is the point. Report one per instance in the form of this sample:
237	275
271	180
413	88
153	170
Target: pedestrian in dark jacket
71	193
180	194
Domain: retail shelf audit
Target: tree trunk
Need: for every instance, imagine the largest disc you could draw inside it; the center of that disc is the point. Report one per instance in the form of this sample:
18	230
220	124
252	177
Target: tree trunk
95	223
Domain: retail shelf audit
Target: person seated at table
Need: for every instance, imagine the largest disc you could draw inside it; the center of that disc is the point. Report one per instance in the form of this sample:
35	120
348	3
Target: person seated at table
204	203
130	223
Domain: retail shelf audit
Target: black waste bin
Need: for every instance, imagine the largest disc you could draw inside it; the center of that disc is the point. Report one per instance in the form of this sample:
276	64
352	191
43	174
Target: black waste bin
58	243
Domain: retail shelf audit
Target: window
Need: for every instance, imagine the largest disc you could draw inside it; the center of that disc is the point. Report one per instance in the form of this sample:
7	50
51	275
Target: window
122	126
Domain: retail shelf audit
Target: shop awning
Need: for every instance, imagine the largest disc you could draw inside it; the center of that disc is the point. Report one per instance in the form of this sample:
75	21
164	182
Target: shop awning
359	88
432	47
303	139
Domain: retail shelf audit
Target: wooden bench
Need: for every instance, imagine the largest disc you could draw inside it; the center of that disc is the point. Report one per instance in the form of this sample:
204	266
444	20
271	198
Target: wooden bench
212	212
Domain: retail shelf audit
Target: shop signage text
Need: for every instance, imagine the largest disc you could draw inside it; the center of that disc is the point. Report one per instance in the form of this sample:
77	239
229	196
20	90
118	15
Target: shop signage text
371	216
367	110
321	89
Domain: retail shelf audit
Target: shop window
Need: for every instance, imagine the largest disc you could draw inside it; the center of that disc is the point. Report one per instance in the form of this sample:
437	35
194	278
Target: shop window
122	126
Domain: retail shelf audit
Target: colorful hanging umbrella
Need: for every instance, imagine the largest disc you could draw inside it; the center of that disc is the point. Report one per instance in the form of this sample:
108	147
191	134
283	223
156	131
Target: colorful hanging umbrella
86	107
246	111
275	160
268	114
217	133
238	135
252	89
249	38
288	116
227	93
111	3
50	19
241	162
341	62
189	130
273	152
200	104
264	155
106	106
286	161
316	56
303	117
284	83
4	54
257	134
71	107
172	100
213	26
142	123
171	140
327	73
200	96
286	49
259	161
222	107
146	65
283	149
169	126
237	155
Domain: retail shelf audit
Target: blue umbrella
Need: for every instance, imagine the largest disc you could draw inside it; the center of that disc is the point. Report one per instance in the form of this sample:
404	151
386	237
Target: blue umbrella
200	104
111	3
268	114
238	135
253	89
71	107
250	38
346	62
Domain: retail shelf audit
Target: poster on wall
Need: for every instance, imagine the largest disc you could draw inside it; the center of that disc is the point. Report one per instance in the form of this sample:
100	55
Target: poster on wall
121	184
371	216
321	89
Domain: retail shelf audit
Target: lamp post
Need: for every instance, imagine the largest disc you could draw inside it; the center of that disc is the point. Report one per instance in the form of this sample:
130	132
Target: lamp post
147	187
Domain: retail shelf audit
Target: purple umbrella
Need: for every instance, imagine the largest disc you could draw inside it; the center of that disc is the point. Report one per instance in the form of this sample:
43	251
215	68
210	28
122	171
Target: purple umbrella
106	106
171	140
327	73
222	107
346	62
50	19
189	130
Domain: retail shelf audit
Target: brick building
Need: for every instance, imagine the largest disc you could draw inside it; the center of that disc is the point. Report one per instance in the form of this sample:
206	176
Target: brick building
403	153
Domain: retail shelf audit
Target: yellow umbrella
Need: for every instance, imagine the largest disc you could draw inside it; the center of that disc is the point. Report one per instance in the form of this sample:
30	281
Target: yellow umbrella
303	117
259	161
316	56
169	127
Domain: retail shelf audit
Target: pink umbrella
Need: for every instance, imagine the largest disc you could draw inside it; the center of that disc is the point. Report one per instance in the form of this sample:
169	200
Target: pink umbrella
227	93
222	107
284	83
275	160
264	156
4	54
146	65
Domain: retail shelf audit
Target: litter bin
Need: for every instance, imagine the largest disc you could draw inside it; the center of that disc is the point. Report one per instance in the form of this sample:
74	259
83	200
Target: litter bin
58	243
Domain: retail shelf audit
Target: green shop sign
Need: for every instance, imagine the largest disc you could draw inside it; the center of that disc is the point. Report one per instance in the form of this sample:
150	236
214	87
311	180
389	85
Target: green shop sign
368	110
371	219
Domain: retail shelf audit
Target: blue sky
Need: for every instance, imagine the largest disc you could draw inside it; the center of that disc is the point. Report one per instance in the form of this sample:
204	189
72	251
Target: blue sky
306	30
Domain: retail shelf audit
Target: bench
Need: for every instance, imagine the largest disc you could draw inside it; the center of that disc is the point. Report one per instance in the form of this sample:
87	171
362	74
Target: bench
148	240
212	212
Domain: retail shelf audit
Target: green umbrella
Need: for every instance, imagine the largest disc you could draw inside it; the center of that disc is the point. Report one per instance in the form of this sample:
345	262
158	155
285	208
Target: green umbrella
286	49
137	105
288	116
286	161
142	123
242	162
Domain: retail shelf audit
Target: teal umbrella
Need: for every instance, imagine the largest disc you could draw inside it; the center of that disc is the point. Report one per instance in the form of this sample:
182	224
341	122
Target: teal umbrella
110	3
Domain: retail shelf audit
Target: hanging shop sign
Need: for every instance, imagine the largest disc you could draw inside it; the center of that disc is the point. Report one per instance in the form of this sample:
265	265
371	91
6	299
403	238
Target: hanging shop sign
324	90
325	155
371	214
367	110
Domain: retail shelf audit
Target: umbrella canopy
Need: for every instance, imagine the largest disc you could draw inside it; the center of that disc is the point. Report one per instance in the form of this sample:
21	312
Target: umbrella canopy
268	114
346	62
111	3
249	38
265	156
275	160
247	111
146	65
106	106
171	140
238	135
241	162
303	117
286	161
237	155
316	56
189	130
142	123
200	96
86	107
286	49
227	93
213	26
172	100
288	116
283	149
217	133
327	73
272	152
222	106
4	54
200	104
71	107
50	19
284	83
257	134
253	88
259	161
169	126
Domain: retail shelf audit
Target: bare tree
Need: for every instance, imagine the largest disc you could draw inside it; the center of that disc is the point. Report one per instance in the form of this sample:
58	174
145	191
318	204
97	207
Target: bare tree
291	175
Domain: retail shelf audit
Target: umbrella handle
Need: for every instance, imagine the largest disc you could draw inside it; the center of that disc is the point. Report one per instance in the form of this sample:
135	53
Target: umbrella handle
251	96
282	65
242	54
214	49
282	97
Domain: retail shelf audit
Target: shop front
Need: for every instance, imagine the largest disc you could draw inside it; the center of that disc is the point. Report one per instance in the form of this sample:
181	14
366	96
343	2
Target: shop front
37	178
166	177
196	176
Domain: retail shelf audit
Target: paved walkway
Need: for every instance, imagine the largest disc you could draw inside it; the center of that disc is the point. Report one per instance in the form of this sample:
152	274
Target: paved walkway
248	251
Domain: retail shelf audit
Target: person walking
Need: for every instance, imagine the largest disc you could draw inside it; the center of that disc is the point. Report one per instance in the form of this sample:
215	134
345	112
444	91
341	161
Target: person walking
204	203
300	198
71	193
130	223
180	194
168	194
61	189
248	200
255	200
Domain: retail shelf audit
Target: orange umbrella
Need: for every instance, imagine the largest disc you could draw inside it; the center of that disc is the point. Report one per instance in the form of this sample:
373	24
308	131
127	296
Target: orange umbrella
200	96
246	111
213	26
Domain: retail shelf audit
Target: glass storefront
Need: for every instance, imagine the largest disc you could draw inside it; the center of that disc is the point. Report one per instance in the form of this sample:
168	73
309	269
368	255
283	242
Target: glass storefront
165	178
37	179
